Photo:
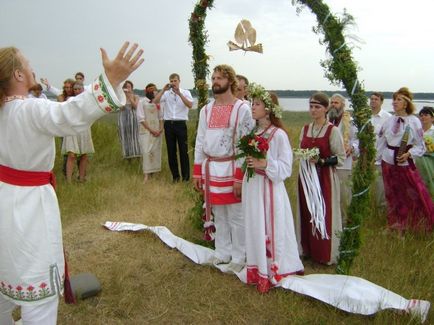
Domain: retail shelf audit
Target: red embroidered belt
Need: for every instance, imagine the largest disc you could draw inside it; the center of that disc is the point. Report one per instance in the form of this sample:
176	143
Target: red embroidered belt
207	182
26	178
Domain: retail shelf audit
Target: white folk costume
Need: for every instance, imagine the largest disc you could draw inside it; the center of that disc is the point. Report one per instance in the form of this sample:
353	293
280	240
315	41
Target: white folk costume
271	245
409	204
330	143
150	145
80	144
348	131
32	266
220	128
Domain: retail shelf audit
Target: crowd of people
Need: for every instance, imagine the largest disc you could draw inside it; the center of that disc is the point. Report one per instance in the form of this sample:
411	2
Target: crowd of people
252	217
254	224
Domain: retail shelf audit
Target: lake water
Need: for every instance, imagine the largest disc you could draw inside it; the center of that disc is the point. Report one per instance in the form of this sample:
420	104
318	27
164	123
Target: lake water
302	104
294	104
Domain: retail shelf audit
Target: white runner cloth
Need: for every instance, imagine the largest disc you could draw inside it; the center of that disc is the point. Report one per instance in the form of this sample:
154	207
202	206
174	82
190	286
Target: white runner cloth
313	196
348	293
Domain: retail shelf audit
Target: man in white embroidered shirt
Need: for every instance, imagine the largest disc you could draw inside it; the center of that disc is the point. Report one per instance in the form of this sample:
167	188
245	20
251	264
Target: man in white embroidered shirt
341	118
176	102
216	172
378	117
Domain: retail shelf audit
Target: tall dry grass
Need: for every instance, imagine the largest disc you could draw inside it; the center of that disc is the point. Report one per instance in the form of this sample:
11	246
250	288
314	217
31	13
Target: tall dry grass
145	282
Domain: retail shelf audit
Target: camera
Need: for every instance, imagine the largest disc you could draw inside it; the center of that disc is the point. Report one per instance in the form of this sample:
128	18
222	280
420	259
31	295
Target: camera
170	86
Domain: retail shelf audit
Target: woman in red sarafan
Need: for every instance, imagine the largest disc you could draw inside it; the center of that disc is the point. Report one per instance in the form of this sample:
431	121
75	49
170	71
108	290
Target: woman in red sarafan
320	133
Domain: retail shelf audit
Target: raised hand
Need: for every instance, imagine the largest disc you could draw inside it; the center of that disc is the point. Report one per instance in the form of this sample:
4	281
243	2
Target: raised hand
126	62
45	82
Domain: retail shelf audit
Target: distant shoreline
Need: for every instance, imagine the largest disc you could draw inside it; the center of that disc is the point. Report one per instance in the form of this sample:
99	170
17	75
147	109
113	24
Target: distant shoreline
420	96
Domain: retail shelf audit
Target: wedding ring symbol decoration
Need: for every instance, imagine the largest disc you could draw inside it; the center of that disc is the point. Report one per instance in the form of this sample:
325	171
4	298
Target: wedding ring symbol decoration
245	38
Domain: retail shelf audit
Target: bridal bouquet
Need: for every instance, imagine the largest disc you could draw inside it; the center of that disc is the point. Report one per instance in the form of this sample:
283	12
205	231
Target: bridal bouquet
254	146
312	190
307	154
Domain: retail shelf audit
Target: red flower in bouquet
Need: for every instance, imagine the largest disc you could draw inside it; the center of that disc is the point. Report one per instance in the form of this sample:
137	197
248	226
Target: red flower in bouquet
254	146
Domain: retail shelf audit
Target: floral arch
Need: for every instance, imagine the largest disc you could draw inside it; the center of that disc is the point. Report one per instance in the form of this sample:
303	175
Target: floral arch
340	69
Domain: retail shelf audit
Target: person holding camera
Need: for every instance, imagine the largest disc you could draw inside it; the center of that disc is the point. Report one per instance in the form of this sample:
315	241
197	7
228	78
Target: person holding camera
177	102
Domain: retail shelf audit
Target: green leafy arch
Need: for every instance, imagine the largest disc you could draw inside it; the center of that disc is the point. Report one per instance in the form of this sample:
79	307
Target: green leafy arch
340	69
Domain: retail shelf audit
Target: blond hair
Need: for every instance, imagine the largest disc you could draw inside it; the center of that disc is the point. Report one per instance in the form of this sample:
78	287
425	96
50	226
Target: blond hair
9	62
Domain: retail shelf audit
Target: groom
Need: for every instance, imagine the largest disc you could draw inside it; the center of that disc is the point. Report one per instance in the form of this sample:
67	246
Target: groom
222	123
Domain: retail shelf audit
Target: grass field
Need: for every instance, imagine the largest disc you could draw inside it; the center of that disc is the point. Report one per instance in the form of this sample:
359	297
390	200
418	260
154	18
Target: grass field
146	282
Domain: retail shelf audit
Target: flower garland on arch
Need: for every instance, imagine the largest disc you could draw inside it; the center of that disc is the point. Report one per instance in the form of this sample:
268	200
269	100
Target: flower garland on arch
198	38
340	69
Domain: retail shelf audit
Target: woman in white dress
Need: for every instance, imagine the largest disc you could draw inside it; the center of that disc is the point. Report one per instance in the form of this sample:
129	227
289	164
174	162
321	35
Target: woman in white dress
150	118
77	147
271	246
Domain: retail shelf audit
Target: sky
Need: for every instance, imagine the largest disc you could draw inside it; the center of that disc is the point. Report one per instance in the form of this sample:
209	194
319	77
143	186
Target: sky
396	48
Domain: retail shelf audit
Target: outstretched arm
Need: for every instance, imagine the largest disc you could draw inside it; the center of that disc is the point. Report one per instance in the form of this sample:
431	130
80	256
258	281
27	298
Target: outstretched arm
50	88
126	62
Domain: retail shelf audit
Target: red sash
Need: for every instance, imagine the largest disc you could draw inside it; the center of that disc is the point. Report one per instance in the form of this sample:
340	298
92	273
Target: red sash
29	178
26	178
207	183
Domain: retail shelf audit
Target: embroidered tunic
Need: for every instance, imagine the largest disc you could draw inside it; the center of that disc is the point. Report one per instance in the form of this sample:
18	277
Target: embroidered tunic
271	245
377	121
219	130
31	248
329	142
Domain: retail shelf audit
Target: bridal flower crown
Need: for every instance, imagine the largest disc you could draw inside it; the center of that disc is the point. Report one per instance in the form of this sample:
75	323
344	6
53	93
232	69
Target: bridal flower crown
257	91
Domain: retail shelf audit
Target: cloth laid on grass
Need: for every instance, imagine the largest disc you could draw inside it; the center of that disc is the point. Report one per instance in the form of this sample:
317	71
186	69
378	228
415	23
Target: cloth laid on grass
348	293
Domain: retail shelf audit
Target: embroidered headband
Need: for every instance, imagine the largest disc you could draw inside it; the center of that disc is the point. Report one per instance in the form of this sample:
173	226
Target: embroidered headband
257	91
405	97
315	102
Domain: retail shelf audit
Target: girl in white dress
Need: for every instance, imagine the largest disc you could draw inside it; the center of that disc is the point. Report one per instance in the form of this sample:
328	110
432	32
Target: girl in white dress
271	246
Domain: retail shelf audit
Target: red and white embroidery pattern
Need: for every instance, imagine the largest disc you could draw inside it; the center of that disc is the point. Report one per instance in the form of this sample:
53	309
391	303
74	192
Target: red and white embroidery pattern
31	293
35	291
102	96
220	116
